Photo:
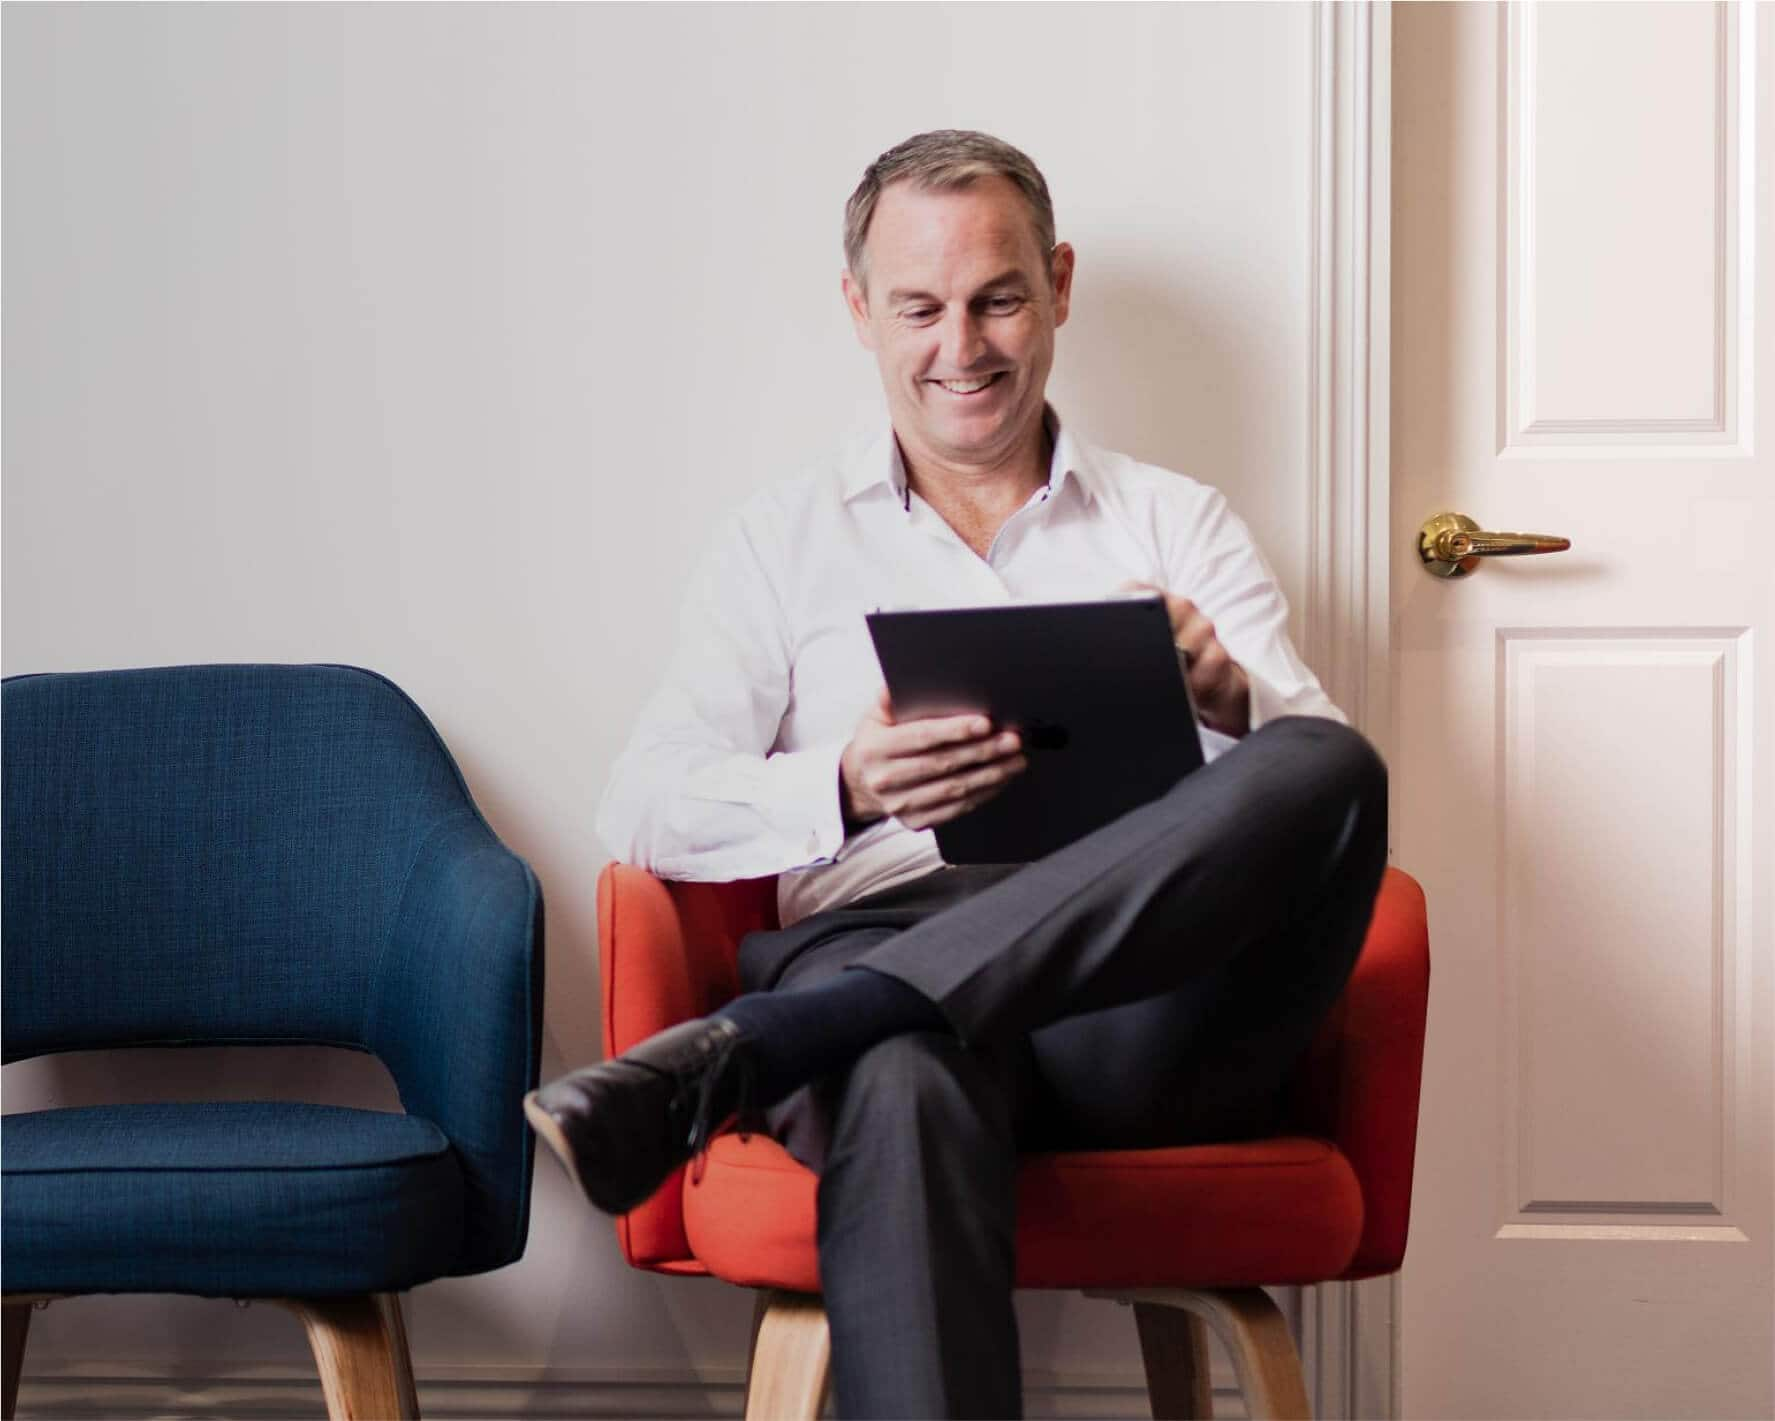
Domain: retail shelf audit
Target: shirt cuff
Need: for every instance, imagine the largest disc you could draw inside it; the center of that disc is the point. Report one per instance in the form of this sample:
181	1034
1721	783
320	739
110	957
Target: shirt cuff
801	788
1215	741
1266	702
1262	703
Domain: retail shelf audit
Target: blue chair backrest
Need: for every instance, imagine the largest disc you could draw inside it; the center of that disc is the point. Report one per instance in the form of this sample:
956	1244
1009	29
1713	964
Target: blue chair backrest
208	853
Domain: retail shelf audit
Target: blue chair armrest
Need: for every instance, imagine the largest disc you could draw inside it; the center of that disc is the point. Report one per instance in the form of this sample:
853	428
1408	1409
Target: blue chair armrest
456	1017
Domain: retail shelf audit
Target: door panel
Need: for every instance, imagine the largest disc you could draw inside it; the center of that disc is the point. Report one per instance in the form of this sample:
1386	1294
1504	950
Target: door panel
1583	749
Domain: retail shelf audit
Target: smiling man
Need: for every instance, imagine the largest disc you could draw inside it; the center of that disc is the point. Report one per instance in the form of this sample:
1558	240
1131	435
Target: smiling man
912	1026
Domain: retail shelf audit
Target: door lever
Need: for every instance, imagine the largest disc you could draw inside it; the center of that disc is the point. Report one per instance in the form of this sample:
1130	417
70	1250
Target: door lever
1451	544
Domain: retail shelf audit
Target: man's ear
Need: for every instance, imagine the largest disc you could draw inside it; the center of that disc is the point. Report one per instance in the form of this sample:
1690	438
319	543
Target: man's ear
856	301
1061	267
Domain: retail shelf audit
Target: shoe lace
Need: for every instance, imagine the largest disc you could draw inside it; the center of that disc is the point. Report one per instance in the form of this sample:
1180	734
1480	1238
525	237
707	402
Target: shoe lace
703	1121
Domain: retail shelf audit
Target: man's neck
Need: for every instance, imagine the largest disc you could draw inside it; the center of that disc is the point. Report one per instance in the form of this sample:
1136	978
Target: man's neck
1001	486
977	500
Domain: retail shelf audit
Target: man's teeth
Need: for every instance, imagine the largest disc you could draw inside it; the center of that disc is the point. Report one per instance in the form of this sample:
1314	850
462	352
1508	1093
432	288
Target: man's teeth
966	387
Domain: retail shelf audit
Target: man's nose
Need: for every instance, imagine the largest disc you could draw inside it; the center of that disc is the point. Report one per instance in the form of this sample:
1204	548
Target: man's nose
963	341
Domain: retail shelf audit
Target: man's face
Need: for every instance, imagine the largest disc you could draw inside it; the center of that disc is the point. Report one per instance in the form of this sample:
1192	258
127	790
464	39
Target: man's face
960	313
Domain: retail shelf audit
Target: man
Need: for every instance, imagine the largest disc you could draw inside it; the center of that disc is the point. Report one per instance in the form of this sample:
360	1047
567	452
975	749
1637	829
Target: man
912	1026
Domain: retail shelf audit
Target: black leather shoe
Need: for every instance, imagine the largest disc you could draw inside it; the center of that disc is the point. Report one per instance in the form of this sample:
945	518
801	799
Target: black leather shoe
621	1126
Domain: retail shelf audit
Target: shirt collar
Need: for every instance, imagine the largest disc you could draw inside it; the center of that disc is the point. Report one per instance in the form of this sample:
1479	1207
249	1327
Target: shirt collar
878	464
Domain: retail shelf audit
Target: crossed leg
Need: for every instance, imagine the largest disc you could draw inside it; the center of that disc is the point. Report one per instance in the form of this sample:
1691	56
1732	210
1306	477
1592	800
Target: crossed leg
1152	984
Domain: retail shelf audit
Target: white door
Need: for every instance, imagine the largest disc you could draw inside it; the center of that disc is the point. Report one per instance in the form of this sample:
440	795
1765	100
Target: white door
1584	345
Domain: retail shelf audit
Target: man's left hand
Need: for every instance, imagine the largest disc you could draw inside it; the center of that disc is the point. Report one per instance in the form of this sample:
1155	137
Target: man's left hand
1219	685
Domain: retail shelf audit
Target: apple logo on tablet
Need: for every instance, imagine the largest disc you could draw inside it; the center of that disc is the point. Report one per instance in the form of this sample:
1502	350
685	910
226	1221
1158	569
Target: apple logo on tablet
1040	735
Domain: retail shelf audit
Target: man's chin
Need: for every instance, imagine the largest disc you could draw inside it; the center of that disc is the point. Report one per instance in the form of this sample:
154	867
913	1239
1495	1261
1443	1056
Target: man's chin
983	430
961	436
967	443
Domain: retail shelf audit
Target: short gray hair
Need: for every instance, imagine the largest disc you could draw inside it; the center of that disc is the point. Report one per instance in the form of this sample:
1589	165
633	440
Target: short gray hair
943	160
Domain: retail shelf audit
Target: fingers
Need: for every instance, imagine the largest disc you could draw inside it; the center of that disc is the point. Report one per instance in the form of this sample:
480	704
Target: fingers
917	737
1210	672
1216	681
1192	631
884	759
906	771
947	799
1209	665
932	818
1189	628
935	793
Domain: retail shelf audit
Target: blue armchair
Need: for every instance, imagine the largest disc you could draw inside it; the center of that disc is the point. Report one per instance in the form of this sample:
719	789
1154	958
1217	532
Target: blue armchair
270	854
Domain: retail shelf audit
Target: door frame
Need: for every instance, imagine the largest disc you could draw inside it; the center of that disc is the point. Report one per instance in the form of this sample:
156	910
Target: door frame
1349	1332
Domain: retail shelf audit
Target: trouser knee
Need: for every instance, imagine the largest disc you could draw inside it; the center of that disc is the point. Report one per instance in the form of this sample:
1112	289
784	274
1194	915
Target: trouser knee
1338	753
1331	766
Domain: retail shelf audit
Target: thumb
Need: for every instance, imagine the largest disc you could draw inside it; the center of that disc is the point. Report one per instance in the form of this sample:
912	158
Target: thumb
884	707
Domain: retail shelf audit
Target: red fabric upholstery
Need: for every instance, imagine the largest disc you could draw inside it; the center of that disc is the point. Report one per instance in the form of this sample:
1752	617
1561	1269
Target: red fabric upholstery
1357	1086
1331	1201
1202	1216
667	954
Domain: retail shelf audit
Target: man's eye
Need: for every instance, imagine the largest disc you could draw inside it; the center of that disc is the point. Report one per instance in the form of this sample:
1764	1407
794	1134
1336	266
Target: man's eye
1002	304
919	314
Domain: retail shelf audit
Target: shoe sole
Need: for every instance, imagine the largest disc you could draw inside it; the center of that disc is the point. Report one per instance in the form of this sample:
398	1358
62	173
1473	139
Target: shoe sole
550	1133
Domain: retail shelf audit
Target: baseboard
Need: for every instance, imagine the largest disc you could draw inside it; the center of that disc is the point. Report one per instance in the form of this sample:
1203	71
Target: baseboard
87	1394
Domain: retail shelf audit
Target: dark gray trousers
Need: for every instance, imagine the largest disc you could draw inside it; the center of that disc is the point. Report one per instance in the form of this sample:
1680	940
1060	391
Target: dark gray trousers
1151	984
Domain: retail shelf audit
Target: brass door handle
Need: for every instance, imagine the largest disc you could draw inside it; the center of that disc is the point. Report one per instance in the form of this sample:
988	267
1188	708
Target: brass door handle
1451	544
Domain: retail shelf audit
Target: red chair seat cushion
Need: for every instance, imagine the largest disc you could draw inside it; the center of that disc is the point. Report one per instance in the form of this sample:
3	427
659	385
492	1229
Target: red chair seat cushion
1275	1211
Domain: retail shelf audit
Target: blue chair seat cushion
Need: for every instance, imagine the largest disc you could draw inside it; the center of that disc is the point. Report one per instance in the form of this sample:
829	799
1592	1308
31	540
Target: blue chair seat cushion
226	1199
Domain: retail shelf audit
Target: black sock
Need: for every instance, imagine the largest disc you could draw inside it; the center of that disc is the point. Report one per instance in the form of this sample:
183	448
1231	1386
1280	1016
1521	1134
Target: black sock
801	1034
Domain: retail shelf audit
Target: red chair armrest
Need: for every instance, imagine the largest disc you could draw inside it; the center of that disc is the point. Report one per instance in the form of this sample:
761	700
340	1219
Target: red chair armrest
1358	1084
666	954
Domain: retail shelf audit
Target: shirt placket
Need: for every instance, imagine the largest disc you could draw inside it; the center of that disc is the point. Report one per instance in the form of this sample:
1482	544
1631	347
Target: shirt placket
984	576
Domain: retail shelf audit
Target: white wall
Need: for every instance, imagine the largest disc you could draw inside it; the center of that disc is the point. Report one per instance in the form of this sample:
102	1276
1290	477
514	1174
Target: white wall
434	339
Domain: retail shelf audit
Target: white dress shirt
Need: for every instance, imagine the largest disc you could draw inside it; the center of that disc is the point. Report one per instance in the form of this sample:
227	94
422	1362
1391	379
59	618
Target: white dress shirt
732	771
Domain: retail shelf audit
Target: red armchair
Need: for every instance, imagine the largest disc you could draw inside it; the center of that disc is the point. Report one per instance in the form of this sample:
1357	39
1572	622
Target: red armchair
1328	1202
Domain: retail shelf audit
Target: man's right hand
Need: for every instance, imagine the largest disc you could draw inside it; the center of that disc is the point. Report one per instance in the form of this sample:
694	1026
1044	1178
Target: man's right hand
923	772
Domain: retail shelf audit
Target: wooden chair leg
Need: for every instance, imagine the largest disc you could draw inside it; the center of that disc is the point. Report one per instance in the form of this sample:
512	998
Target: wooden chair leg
403	1356
360	1350
1255	1335
1174	1348
17	1324
791	1359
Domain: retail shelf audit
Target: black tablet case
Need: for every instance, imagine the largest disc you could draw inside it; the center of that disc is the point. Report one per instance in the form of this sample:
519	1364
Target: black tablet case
1096	688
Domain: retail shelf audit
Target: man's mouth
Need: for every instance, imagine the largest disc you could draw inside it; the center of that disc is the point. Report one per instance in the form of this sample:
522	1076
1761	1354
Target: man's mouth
970	387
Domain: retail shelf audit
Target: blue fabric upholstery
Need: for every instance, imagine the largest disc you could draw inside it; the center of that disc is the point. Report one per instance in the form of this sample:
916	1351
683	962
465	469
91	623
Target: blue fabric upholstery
226	1199
274	854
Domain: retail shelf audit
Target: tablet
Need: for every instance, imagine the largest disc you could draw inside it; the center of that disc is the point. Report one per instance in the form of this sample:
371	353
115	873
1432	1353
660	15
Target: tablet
1095	688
